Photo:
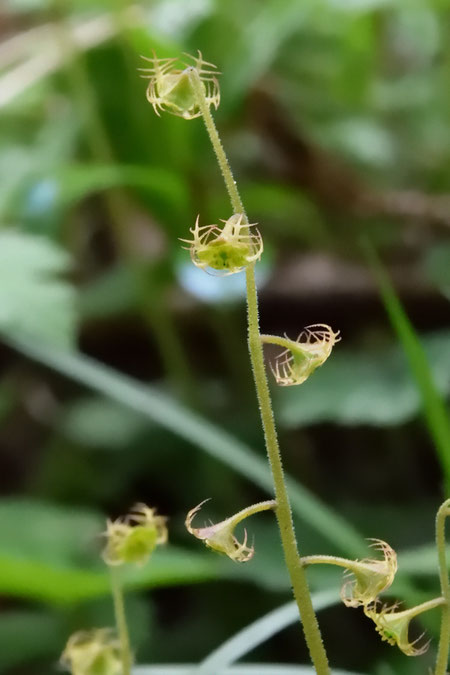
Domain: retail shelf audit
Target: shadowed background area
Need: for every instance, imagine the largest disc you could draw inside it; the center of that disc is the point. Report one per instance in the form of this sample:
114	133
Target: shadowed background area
124	369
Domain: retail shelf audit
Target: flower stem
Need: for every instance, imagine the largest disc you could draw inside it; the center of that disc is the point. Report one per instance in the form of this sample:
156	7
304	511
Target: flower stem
283	511
121	621
328	560
444	639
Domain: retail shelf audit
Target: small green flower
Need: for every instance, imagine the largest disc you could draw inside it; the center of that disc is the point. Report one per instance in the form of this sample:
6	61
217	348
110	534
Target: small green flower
227	249
370	576
170	87
220	537
95	652
302	356
134	538
394	626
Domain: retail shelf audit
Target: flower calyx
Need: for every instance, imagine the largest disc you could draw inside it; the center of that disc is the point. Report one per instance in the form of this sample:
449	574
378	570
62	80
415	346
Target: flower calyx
220	536
225	249
368	577
133	539
393	626
170	88
302	356
94	652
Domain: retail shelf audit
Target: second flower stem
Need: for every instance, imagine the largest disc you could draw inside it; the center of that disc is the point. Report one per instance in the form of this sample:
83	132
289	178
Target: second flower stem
121	621
283	511
444	640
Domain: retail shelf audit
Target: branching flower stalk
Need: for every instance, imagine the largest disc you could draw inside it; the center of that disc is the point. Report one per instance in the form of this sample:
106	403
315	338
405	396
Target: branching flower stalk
444	639
121	621
283	510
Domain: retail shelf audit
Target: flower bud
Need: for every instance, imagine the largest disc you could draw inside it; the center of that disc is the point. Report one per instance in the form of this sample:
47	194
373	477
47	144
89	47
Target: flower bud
227	249
220	537
302	356
95	652
170	87
134	538
394	626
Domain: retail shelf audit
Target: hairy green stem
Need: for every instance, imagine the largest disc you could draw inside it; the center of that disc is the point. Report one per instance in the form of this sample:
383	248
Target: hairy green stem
328	560
444	639
283	510
121	621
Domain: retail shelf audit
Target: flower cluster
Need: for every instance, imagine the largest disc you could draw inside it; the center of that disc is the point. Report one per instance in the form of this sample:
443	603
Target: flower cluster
133	539
94	652
170	87
227	249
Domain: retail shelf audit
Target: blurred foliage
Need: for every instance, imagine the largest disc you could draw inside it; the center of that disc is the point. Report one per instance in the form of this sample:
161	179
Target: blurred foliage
120	360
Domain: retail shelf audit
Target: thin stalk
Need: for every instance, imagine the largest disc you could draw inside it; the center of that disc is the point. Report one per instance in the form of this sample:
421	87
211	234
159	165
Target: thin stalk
444	639
329	560
121	621
283	511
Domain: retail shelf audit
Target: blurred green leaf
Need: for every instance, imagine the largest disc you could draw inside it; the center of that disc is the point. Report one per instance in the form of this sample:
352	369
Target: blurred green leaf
78	181
365	387
248	669
47	534
100	423
51	554
34	300
419	561
112	293
434	407
163	410
26	635
437	267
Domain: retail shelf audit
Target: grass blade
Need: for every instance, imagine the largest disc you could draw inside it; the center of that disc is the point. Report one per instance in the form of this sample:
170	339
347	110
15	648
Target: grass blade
434	408
258	632
160	408
249	669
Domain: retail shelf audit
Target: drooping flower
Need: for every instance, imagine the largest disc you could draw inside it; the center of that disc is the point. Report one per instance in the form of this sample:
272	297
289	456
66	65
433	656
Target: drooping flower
170	87
220	536
302	356
227	249
368	577
133	539
94	652
394	626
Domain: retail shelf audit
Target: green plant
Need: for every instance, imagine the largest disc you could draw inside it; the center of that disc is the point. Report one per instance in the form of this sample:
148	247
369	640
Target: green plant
189	91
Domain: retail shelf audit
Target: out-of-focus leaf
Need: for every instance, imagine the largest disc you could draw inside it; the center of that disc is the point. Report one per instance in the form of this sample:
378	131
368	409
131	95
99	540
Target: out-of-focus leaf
51	553
34	300
248	669
75	182
437	267
195	429
371	387
44	533
28	634
258	632
422	368
101	423
357	5
251	55
419	561
113	293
